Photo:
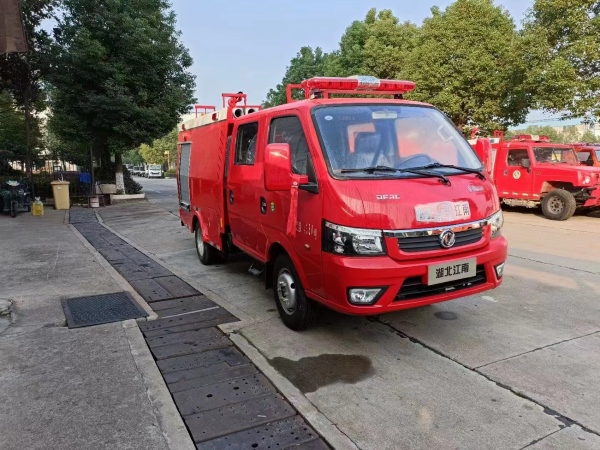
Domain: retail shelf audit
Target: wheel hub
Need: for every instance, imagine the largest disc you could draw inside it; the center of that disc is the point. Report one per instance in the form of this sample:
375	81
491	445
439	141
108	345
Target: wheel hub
556	205
199	244
286	291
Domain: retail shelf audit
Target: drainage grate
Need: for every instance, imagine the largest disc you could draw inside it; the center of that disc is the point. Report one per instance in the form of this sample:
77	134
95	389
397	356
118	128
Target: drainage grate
282	434
98	309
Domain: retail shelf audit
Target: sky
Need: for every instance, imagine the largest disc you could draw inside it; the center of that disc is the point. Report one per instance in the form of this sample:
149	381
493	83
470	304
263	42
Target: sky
246	45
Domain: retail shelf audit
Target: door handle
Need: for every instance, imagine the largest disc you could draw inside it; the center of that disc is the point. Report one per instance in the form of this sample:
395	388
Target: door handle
231	196
263	205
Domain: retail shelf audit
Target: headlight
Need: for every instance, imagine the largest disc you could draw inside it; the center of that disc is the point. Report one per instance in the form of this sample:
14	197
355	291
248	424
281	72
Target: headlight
496	221
352	241
587	180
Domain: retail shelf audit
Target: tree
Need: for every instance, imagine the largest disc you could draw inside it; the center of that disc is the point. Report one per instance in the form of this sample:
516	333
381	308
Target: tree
22	74
121	75
306	64
590	138
12	130
467	62
565	56
162	150
378	46
546	130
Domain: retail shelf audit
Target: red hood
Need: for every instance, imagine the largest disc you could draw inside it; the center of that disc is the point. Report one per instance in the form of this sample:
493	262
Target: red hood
390	204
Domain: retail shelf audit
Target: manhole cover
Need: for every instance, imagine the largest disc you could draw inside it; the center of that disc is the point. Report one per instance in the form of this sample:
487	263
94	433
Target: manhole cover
98	309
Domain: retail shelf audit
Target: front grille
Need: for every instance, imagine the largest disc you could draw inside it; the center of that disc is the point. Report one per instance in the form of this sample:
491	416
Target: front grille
432	242
413	287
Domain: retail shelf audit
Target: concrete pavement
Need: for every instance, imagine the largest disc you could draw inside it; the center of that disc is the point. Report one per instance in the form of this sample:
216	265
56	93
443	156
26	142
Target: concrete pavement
86	388
510	369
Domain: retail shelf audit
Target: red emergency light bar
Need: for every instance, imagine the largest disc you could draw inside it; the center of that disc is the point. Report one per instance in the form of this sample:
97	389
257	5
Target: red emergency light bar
357	84
530	138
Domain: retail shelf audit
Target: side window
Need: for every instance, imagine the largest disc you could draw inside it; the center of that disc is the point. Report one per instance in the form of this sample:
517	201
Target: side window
516	156
245	147
289	130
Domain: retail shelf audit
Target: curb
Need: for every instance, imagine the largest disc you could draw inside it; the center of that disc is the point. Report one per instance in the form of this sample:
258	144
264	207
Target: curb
122	282
169	420
244	319
323	426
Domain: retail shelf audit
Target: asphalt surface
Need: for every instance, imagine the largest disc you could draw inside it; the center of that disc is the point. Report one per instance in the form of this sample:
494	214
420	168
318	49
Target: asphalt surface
513	368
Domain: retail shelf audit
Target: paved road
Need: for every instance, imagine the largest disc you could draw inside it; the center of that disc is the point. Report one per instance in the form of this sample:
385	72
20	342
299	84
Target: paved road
514	368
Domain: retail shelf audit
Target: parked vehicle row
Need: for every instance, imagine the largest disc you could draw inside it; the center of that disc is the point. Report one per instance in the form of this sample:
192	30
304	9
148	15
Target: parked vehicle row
533	172
148	171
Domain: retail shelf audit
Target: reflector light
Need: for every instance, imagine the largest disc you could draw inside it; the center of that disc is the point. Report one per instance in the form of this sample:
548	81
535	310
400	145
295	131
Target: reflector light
357	83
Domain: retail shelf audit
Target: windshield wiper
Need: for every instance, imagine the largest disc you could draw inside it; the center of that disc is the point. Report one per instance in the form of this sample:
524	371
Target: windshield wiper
416	171
451	166
370	169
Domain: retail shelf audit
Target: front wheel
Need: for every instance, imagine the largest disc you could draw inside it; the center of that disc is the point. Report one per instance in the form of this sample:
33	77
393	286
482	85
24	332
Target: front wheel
559	205
14	208
296	310
207	254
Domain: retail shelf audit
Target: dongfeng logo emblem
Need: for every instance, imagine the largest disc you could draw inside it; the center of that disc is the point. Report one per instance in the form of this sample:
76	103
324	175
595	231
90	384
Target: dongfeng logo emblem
447	238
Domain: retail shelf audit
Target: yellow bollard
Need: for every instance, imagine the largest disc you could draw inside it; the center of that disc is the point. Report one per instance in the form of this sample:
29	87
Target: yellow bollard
38	207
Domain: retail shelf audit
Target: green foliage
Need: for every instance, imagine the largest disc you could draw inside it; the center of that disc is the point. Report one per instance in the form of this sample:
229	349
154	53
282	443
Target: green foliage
12	129
170	173
379	46
590	138
121	75
133	157
554	135
23	74
565	55
466	63
306	64
156	153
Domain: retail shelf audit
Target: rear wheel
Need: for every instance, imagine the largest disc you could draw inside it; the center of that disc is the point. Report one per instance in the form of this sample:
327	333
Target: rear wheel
207	254
296	310
559	205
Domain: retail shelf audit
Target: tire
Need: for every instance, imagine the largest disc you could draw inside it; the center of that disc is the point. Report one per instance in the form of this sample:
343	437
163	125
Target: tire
207	254
298	311
14	208
559	205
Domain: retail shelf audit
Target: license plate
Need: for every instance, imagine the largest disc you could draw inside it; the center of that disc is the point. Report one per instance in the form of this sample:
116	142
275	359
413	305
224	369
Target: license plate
456	270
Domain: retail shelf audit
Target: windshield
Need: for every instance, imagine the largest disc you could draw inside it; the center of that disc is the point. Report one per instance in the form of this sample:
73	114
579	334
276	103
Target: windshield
155	166
395	136
555	155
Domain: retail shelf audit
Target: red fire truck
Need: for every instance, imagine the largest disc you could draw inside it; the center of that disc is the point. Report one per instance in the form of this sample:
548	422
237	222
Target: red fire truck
530	171
365	205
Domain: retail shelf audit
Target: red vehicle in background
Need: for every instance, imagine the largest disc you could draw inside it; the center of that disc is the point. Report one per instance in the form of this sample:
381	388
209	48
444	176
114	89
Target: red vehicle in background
364	205
588	154
531	171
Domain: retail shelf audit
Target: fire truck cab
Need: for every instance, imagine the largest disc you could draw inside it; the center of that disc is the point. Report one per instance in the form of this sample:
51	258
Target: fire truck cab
588	154
364	205
531	171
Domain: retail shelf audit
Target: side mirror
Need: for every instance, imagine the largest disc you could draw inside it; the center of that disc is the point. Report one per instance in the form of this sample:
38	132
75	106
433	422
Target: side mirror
483	149
277	168
526	163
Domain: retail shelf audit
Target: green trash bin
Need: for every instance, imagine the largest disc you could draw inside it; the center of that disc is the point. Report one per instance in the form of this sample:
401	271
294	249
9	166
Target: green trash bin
60	192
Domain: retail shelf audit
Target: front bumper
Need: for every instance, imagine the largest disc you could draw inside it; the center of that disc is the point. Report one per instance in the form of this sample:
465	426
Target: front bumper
405	281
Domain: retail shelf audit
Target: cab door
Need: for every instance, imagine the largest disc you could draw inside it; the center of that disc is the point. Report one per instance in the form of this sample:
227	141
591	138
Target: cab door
517	180
244	183
306	244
